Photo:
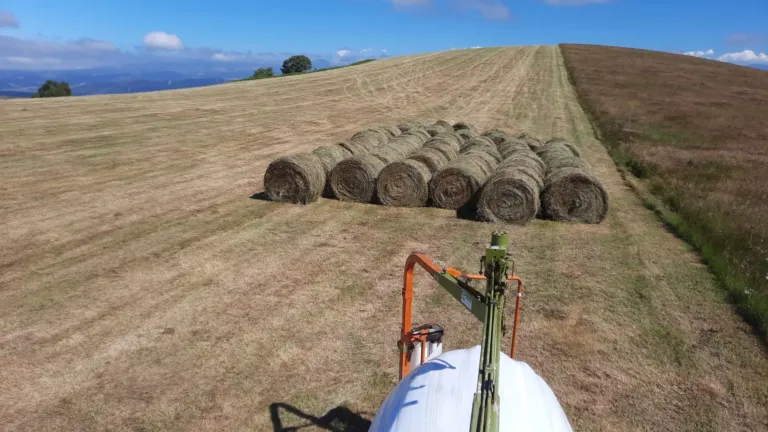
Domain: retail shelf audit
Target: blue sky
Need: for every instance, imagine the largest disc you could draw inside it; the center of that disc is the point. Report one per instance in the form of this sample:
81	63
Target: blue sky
84	33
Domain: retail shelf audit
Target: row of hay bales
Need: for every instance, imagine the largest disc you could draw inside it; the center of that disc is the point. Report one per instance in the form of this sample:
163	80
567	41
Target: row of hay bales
497	176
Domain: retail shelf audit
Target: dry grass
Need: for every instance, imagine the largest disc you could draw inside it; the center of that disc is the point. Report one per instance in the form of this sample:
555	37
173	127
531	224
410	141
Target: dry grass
141	289
698	130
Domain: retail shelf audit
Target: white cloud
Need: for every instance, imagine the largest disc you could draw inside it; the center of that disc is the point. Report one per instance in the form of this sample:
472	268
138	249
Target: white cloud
573	2
708	53
7	19
475	47
220	56
746	56
366	50
343	53
24	60
162	41
383	51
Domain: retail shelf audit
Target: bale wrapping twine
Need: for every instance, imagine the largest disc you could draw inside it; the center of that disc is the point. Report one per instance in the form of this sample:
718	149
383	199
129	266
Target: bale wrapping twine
298	179
571	192
354	179
512	193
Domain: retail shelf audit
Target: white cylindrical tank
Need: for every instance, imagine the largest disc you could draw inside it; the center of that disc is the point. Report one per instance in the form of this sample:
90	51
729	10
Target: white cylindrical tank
438	395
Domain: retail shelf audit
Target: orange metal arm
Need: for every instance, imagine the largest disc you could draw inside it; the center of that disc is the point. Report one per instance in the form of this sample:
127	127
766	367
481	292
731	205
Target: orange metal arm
517	312
432	269
410	263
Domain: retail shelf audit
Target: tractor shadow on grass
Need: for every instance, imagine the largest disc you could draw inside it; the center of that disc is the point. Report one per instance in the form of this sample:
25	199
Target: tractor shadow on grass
339	419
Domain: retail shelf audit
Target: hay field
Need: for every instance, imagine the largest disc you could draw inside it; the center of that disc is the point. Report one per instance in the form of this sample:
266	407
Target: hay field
143	289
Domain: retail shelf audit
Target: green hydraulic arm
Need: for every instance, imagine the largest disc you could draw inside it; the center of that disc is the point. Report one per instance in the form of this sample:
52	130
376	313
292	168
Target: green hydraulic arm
488	307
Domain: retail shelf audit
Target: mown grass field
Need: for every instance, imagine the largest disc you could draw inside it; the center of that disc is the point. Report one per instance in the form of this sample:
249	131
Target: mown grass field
143	289
697	130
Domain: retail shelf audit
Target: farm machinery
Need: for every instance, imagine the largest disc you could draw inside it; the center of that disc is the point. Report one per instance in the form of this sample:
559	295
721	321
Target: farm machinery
475	389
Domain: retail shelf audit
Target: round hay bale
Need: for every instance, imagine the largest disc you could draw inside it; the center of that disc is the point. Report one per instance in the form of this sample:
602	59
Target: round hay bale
567	162
532	141
447	127
533	174
466	134
448	148
368	140
354	179
399	148
422	134
404	184
331	155
410	138
509	196
387	133
409	126
389	154
354	148
555	150
487	161
510	146
572	194
528	160
393	131
457	184
496	135
465	126
298	179
380	137
345	151
434	130
481	145
448	136
561	142
407	142
431	157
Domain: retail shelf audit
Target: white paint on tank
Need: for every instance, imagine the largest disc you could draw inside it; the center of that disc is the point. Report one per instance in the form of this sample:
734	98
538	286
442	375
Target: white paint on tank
437	396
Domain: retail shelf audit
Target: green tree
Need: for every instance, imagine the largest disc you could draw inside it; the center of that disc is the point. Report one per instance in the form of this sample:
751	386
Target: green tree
265	72
296	64
53	89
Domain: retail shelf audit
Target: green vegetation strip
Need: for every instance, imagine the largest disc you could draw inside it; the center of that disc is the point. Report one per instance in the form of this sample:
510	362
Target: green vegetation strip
723	250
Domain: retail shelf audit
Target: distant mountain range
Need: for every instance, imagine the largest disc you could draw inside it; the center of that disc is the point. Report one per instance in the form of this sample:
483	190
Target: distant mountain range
759	66
133	79
5	94
25	83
